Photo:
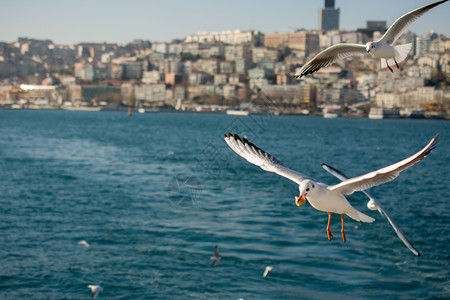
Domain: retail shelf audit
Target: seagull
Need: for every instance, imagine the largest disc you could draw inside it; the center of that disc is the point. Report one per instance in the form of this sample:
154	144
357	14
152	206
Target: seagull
95	289
330	199
84	243
374	204
216	258
383	48
267	270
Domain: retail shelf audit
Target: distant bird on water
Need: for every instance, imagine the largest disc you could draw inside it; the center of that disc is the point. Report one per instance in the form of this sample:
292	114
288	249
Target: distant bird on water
95	289
216	258
384	48
84	243
267	270
330	199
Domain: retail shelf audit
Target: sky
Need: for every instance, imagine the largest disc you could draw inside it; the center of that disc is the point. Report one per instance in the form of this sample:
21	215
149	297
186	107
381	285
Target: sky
113	21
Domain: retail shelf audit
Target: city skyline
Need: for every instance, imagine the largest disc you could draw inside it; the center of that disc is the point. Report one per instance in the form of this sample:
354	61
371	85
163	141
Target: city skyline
160	21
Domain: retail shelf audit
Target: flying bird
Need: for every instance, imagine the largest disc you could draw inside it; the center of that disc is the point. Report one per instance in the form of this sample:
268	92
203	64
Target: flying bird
374	204
267	270
216	258
384	48
330	199
95	289
84	243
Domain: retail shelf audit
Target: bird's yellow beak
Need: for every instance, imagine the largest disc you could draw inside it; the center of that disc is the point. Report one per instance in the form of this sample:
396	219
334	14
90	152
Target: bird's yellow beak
300	200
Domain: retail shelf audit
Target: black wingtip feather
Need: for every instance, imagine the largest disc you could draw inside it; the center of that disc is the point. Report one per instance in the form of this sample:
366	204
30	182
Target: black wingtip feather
434	143
335	170
256	148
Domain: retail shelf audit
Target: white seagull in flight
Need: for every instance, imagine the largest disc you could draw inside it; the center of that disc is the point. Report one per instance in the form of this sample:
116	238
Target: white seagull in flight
383	48
374	204
84	243
267	270
330	199
95	289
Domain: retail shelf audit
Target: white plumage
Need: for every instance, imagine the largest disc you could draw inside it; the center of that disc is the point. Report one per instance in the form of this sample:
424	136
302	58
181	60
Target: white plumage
322	197
383	48
374	204
95	289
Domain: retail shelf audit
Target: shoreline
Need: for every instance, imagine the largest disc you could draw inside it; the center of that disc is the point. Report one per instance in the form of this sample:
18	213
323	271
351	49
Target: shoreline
135	111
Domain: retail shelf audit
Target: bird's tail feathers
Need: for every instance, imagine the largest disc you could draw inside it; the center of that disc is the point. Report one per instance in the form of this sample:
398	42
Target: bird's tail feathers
401	52
359	216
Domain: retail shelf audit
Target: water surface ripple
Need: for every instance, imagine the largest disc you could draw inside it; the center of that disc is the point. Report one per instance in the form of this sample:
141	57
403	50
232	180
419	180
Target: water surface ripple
153	193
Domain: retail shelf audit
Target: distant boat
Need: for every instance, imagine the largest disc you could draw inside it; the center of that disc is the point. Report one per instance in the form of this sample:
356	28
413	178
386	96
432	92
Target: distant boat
82	108
384	113
412	113
141	110
237	112
331	112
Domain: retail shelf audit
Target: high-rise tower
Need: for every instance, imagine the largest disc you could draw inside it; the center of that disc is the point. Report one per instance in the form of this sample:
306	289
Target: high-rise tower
329	16
329	3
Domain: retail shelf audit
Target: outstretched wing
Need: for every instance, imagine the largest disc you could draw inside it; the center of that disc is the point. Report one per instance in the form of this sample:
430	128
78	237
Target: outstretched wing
329	56
399	26
383	175
380	208
262	159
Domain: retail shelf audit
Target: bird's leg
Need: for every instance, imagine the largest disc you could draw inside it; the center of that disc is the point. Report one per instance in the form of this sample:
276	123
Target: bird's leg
389	67
396	64
342	229
330	235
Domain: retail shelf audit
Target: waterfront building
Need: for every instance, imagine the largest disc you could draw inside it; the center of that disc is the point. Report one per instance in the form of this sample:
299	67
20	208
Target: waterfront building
422	44
39	94
150	92
256	73
160	47
132	70
303	43
234	52
172	78
242	65
226	67
227	37
276	40
220	79
210	66
151	77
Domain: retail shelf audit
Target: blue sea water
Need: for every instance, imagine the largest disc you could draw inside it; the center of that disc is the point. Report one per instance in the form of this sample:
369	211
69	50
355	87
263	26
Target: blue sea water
154	193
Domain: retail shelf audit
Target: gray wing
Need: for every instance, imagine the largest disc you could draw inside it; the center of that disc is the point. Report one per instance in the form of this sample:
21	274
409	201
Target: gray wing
399	26
380	208
383	175
215	262
95	294
329	56
262	159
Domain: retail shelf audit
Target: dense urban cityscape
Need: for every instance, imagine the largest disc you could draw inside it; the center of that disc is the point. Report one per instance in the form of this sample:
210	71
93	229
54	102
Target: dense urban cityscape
240	70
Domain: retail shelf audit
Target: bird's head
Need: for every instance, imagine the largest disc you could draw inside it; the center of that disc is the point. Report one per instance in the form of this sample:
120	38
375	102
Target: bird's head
370	46
306	187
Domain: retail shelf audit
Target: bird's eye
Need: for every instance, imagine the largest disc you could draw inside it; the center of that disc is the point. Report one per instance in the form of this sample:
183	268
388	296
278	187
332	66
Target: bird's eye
307	189
313	185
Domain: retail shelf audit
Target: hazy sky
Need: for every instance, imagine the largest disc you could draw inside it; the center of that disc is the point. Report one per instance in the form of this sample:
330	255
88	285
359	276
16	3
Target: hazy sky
71	22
